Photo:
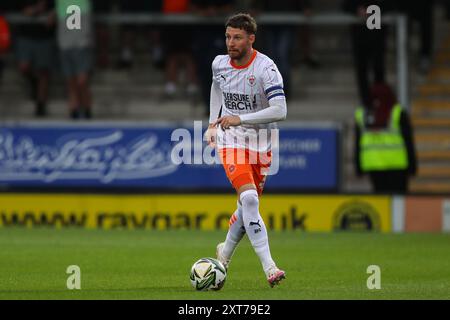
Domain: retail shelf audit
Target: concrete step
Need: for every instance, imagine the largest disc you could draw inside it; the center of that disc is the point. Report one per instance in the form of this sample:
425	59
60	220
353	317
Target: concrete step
153	107
431	122
438	155
114	108
442	57
427	168
443	137
429	187
427	104
426	141
432	89
431	113
439	172
438	73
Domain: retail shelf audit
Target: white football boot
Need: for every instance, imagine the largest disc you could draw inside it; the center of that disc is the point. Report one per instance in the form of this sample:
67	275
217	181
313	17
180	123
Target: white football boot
220	256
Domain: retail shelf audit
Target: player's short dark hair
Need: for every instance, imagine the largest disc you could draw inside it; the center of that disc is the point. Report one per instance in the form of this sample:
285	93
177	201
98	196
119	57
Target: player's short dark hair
242	21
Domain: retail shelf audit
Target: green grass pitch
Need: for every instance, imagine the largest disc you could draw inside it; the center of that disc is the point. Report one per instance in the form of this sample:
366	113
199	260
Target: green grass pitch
142	264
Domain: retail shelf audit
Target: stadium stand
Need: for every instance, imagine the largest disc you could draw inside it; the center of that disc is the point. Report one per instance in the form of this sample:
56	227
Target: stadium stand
325	94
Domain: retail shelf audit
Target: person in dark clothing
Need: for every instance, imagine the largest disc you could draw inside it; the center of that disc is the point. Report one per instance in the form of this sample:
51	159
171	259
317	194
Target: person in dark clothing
368	47
384	143
5	37
130	32
102	34
2	66
208	42
447	9
305	38
280	38
35	49
178	54
420	12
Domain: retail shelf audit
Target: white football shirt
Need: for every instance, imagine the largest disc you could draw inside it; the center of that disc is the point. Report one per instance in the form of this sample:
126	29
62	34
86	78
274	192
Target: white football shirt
246	89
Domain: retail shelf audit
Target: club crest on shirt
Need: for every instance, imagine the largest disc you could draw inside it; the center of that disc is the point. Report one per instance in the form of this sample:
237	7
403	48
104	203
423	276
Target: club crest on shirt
251	79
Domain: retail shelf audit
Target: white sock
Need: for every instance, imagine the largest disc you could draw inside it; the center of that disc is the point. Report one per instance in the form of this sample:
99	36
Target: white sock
235	233
255	228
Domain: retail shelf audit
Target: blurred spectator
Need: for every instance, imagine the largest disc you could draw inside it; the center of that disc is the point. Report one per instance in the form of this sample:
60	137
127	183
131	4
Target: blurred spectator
280	38
384	146
157	50
446	4
129	32
305	34
35	49
177	41
368	47
102	35
5	40
421	12
209	41
76	55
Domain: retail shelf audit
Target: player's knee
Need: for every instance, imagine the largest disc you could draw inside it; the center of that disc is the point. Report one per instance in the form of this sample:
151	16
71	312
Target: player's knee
249	199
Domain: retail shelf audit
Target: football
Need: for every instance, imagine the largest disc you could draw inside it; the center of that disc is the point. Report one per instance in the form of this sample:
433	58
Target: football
208	274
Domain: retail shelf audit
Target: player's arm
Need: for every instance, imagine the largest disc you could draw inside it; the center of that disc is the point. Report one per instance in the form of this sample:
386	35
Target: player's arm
214	110
272	82
215	102
277	111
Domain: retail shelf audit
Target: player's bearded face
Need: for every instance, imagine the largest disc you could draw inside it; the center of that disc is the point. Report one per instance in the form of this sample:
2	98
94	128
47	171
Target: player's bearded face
238	43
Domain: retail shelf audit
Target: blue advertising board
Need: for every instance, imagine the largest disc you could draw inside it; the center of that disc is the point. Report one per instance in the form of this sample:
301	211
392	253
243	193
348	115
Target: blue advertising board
308	159
130	156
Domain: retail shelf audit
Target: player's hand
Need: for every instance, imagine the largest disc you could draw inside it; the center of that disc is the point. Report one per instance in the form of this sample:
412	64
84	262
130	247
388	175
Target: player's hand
228	121
210	135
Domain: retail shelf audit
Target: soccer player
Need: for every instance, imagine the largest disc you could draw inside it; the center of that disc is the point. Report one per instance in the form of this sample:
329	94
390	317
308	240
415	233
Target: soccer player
247	91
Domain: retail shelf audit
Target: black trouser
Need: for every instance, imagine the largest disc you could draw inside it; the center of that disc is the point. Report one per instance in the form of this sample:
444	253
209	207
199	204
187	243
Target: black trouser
368	53
447	9
393	181
1	69
423	14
